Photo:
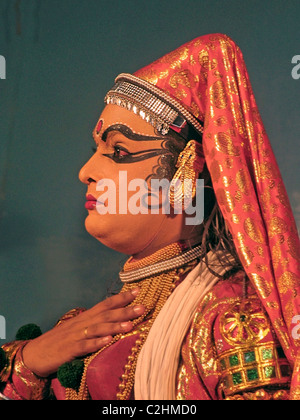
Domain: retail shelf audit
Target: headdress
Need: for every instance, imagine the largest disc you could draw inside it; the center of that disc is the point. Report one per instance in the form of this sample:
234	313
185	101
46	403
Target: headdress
203	88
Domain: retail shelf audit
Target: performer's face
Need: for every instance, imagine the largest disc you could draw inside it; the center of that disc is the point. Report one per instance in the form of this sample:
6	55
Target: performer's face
128	152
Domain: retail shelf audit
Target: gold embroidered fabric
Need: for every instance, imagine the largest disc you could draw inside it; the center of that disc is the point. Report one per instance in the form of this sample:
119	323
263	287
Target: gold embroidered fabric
231	349
209	77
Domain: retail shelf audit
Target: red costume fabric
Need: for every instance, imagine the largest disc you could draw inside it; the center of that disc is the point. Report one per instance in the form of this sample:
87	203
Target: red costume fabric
208	75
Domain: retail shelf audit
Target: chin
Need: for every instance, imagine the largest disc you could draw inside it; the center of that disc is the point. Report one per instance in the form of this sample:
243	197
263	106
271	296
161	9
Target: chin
116	239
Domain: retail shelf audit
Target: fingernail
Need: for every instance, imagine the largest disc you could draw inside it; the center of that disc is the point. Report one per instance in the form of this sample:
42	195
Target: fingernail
125	325
107	339
139	309
135	292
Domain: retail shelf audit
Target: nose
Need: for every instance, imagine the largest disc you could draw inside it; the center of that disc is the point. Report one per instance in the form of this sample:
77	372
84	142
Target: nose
87	173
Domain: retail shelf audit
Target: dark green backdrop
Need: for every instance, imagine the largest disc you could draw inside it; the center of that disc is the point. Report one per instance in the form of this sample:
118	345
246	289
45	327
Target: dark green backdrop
61	58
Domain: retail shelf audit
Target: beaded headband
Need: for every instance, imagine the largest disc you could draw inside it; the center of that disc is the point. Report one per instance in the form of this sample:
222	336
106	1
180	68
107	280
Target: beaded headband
152	104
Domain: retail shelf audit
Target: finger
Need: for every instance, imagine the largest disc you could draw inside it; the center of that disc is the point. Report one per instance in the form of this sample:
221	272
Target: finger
92	345
113	324
121	314
113	302
107	329
96	339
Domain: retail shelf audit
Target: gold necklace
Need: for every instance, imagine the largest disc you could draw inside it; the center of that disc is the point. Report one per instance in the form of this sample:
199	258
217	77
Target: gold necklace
154	292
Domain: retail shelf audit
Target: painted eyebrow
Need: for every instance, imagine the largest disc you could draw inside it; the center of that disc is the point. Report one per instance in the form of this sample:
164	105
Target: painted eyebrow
127	132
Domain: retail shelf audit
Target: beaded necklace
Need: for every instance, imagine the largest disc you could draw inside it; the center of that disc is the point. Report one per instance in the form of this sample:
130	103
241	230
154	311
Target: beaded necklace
154	292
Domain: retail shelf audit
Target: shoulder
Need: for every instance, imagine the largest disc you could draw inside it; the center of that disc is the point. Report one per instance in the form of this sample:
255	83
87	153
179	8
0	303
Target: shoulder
224	294
232	331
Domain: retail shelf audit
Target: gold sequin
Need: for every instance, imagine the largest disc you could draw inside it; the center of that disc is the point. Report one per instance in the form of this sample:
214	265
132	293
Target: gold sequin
252	230
282	195
180	93
205	62
232	87
235	218
227	181
195	110
239	119
250	131
215	171
272	305
264	287
243	181
277	226
175	58
245	253
150	76
288	282
225	199
264	170
293	247
218	95
221	121
224	144
276	254
184	77
247	207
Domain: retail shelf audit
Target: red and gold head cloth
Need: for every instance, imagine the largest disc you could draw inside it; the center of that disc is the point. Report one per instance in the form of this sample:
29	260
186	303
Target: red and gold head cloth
209	79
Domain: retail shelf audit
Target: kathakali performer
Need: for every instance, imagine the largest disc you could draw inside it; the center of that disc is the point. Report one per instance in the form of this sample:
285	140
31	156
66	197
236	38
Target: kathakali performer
207	311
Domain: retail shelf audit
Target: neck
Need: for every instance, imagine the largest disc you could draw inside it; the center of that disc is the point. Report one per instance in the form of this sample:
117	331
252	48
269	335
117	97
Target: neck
171	257
186	243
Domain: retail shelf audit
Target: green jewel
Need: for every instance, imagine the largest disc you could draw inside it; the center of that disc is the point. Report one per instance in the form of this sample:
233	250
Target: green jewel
252	374
249	356
267	354
270	372
234	360
237	378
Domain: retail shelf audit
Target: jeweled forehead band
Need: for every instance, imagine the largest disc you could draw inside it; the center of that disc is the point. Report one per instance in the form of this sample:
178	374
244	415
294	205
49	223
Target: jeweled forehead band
151	103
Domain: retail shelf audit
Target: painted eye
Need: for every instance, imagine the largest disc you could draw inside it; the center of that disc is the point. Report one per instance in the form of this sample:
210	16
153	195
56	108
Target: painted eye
120	152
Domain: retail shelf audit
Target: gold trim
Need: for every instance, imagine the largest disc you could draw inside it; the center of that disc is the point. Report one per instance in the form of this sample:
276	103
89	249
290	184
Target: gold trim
254	366
11	350
245	323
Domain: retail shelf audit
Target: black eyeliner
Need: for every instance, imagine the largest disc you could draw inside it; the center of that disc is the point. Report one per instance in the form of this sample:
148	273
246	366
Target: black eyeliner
127	132
135	157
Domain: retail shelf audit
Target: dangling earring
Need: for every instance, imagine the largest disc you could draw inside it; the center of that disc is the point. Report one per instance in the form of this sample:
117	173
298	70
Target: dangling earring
190	164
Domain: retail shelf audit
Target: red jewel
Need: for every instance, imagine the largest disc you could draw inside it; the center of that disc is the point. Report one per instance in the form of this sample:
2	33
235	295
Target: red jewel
99	126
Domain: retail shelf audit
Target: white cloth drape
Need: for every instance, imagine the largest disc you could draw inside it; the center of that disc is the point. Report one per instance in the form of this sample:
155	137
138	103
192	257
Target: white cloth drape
157	365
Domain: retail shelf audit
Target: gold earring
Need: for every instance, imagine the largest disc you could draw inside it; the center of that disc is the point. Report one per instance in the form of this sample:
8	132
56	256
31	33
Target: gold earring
190	164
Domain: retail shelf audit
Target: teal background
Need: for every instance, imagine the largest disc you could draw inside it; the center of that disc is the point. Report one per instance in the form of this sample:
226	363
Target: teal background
62	57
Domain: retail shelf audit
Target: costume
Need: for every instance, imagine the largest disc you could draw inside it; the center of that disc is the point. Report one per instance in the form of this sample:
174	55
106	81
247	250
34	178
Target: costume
239	342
